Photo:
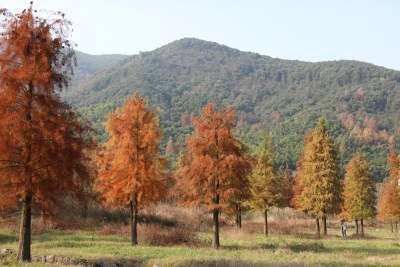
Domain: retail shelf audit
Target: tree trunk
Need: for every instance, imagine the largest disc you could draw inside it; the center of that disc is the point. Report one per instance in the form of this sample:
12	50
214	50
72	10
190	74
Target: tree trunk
238	216
318	231
391	226
362	227
324	224
24	246
266	222
356	226
395	223
42	212
133	219
215	242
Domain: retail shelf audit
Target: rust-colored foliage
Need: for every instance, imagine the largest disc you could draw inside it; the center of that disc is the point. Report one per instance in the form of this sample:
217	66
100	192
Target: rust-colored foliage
389	202
215	168
131	171
42	143
289	183
170	149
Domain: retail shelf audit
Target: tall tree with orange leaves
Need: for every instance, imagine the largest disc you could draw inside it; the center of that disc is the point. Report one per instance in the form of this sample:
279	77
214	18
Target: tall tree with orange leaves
131	171
215	167
389	202
42	143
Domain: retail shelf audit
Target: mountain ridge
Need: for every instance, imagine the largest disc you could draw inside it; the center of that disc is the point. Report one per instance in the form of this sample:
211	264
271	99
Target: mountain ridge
283	97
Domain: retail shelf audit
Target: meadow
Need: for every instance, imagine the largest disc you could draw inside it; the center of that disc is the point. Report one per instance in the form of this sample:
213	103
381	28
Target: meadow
176	237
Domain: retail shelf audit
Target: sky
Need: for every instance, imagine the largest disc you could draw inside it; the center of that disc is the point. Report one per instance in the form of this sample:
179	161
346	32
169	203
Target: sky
307	30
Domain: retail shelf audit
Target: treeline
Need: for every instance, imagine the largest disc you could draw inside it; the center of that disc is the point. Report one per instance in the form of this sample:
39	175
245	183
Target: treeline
217	172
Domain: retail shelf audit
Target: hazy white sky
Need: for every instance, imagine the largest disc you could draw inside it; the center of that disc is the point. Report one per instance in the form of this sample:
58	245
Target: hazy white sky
310	30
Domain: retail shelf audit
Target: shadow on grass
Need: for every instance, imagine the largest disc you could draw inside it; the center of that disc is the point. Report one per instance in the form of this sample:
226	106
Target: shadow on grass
309	247
239	263
7	239
370	250
228	263
255	246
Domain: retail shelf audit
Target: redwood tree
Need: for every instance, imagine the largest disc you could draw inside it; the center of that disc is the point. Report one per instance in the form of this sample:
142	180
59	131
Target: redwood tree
318	182
131	171
215	167
42	143
359	191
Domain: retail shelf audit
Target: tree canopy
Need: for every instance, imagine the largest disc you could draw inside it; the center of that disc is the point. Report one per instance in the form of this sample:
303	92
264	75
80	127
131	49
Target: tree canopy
215	169
131	169
318	189
43	144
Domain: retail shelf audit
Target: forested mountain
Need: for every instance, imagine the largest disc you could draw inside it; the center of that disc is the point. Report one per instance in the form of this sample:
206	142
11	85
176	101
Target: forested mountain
280	97
90	64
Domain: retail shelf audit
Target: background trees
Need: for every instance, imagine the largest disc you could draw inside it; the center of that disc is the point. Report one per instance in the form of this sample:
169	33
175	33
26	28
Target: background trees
43	144
359	191
266	186
131	170
215	168
318	184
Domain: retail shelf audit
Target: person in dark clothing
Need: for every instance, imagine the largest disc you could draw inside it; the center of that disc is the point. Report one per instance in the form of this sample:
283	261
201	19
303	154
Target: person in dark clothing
344	228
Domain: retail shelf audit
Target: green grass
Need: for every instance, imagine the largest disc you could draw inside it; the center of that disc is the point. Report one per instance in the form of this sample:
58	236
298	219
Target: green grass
380	248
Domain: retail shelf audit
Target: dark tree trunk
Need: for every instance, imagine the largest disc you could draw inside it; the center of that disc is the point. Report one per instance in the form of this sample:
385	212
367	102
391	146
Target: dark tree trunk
391	226
133	219
362	227
238	215
24	246
318	231
42	213
356	226
215	242
395	224
85	213
85	209
266	222
324	224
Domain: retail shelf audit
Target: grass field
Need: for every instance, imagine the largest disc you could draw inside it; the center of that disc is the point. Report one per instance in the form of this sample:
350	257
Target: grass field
242	247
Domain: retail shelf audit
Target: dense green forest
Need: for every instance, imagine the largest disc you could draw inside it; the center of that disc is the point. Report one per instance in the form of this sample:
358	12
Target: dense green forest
87	65
281	97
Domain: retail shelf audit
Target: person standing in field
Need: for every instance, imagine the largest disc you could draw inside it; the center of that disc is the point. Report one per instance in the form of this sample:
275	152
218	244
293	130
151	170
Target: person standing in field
344	228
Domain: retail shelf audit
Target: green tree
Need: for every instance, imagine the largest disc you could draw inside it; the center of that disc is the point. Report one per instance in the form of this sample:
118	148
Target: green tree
359	193
266	186
319	189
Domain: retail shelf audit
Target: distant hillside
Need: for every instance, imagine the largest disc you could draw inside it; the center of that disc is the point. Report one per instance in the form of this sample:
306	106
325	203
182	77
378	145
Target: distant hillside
90	64
283	97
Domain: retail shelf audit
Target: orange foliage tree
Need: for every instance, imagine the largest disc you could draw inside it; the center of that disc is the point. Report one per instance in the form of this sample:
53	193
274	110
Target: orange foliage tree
389	202
215	169
131	172
42	143
170	149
